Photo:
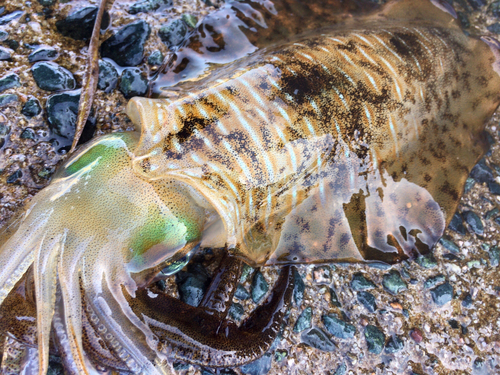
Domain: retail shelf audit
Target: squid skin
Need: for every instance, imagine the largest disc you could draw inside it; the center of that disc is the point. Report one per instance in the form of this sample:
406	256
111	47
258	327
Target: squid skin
350	145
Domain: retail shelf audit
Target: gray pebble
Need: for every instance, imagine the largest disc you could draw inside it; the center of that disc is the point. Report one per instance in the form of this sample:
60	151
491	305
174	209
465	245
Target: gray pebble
304	320
442	294
9	81
259	287
316	338
359	282
51	77
133	83
367	300
375	339
393	282
338	327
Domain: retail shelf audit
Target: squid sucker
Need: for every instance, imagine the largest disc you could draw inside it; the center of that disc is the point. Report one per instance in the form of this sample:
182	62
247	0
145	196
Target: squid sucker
349	144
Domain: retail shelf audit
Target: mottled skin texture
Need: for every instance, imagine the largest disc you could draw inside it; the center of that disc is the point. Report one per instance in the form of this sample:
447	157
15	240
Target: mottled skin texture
349	145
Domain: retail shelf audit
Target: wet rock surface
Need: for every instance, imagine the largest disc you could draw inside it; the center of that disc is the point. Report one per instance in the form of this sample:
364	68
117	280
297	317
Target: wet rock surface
51	77
108	76
79	23
133	83
43	54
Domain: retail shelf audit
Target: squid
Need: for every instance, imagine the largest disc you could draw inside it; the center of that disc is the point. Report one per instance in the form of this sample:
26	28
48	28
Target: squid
350	144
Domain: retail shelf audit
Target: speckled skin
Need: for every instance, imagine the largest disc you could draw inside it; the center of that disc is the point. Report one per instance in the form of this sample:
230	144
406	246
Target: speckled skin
314	151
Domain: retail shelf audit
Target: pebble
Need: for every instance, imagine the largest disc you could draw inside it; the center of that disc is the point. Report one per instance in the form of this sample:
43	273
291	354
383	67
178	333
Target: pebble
478	364
80	23
43	54
62	111
375	339
417	335
280	354
491	213
156	58
143	6
338	327
190	20
108	76
52	77
28	133
442	294
9	17
259	287
431	282
322	275
3	35
192	284
236	311
393	282
474	221
14	176
11	43
5	54
394	344
457	224
126	46
9	81
367	300
258	367
133	83
304	320
494	187
427	261
334	301
494	254
298	288
173	33
467	301
341	369
47	3
481	172
359	282
494	28
494	8
316	338
449	245
469	184
7	99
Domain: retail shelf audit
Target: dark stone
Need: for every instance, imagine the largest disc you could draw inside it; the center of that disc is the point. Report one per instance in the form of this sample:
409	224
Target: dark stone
3	35
190	20
367	300
4	54
431	282
12	44
393	282
478	364
32	107
7	99
133	83
108	76
10	17
442	294
469	184
481	172
280	354
394	344
304	320
491	213
236	311
4	129
464	330
334	301
494	254
51	77
47	3
80	23
449	245
156	58
259	287
474	221
298	288
338	327
245	272
426	261
467	301
464	20
173	33
143	6
28	133
341	369
126	46
316	338
494	8
453	324
14	176
379	265
55	366
476	4
375	339
494	187
9	81
179	366
43	54
494	28
258	367
62	112
241	293
192	284
359	282
457	224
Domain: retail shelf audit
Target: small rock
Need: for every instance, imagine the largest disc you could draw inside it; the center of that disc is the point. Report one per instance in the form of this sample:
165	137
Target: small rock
51	77
481	172
259	367
298	288
143	6
394	344
457	224
467	301
416	335
32	107
189	19
280	355
192	284
474	222
304	320
4	129
80	23
241	293
453	323
7	99
14	176
62	111
179	366
126	46
494	254
3	35
28	133
426	261
43	54
9	81
341	369
259	287
476	4
449	245
156	58
491	213
108	76
12	44
494	8
375	339
316	338
173	33
431	282
367	300
47	3
5	54
133	83
322	275
334	301
393	282
338	327
442	294
478	364
360	283
236	311
494	187
9	17
469	184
